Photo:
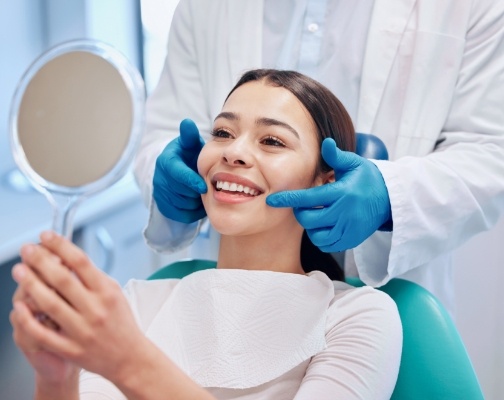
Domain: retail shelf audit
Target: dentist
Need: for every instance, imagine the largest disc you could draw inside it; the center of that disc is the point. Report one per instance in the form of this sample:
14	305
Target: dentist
426	77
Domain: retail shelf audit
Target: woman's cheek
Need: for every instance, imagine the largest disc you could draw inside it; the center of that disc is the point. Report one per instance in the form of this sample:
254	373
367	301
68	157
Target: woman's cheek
298	175
203	168
202	163
293	179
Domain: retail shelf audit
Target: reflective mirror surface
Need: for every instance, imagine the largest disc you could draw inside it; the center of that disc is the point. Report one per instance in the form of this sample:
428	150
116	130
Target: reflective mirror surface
76	120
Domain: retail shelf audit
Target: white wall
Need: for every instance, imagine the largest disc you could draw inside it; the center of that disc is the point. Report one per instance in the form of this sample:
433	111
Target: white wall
479	276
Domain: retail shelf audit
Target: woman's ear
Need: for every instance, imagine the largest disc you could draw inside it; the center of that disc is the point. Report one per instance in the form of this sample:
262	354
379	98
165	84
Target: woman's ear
325	177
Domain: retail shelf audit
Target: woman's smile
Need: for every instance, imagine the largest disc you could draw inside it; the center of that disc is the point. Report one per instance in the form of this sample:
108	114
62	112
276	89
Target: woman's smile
237	188
231	188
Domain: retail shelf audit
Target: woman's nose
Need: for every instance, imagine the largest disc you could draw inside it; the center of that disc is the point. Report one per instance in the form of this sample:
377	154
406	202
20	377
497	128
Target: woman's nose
237	153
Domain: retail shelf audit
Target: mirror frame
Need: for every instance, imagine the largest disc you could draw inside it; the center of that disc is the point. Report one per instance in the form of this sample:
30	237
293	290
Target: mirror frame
135	86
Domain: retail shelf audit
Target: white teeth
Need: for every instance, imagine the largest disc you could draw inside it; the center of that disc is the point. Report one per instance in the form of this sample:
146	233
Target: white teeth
234	187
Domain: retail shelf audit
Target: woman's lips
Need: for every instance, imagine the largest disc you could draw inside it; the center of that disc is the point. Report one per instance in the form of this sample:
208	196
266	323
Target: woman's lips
231	188
236	187
235	183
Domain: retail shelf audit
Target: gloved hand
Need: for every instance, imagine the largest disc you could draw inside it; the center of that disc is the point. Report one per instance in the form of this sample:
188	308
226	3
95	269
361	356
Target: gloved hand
347	211
177	185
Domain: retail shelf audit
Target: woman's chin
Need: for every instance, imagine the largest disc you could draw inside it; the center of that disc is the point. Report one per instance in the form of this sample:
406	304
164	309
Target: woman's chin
225	229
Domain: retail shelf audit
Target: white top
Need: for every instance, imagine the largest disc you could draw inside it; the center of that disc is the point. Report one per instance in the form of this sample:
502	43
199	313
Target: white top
268	335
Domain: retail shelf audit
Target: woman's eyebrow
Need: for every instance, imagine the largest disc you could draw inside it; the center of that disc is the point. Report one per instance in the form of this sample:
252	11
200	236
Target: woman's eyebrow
228	115
275	122
259	121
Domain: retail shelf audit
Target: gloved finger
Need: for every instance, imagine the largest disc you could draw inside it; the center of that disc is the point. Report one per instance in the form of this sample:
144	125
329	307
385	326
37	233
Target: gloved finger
327	246
191	179
193	216
184	216
318	218
323	237
174	170
334	248
190	139
180	191
332	239
339	245
179	208
337	159
342	236
305	198
178	201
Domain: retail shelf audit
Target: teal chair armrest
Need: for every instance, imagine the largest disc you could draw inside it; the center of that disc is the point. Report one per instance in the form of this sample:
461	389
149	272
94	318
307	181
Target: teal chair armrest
435	364
434	360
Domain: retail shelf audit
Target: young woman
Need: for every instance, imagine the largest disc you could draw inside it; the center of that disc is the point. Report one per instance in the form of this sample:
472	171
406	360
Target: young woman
266	324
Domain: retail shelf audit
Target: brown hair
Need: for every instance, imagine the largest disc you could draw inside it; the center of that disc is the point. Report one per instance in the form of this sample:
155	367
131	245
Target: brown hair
332	121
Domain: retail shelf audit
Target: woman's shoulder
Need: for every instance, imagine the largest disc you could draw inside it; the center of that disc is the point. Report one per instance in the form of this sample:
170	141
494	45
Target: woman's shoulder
363	334
357	299
345	293
364	306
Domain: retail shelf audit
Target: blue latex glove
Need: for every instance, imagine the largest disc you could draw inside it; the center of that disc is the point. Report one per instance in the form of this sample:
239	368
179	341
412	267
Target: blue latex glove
177	185
341	215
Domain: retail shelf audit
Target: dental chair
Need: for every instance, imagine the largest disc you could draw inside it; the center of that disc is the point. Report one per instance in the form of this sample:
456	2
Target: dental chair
370	146
434	364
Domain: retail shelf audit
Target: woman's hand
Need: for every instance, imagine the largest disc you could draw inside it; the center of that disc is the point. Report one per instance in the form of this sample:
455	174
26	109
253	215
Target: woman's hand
96	329
48	367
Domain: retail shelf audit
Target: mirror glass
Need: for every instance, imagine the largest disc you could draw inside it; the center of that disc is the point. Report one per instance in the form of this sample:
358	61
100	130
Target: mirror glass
75	123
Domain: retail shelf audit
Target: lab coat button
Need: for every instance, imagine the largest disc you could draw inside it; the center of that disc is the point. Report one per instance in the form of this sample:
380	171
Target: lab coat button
313	27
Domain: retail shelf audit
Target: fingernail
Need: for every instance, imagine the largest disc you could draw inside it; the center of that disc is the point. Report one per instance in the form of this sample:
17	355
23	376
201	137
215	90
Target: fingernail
47	236
18	272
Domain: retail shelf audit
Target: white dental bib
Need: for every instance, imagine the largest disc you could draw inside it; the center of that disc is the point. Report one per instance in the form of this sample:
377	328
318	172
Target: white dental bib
239	329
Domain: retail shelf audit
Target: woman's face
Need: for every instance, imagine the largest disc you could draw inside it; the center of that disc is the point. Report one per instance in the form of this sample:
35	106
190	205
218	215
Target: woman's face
264	141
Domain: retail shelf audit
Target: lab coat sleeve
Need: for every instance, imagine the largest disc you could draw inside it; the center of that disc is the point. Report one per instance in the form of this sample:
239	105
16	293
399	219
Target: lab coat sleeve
178	95
442	199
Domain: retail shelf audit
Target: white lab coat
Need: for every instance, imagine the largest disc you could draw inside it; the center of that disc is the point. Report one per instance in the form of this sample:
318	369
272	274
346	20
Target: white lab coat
432	88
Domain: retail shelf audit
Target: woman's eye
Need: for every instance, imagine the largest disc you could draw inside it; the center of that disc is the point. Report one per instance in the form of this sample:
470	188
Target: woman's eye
221	133
272	141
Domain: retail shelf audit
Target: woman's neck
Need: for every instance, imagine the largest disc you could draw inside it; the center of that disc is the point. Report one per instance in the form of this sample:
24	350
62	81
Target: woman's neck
265	251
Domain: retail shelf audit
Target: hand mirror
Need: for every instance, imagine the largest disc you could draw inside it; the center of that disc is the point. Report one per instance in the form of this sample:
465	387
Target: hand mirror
75	123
